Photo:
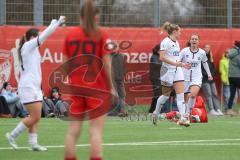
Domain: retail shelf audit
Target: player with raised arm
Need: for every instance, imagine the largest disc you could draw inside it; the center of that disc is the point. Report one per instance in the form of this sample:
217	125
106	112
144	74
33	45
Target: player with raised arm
29	87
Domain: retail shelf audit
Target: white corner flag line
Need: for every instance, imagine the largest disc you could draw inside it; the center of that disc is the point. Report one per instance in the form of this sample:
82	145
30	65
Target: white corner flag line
216	142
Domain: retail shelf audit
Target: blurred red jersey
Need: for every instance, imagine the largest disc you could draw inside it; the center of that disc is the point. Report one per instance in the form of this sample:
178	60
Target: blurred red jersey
87	71
199	110
77	43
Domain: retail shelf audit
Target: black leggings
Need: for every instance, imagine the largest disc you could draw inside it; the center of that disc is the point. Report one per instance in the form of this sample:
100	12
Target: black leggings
234	84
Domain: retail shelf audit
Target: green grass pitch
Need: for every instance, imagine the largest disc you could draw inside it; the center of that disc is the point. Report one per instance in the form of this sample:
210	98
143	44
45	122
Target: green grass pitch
135	140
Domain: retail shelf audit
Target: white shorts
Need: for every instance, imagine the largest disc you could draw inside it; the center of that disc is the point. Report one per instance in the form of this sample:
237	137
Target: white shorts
168	77
194	82
29	95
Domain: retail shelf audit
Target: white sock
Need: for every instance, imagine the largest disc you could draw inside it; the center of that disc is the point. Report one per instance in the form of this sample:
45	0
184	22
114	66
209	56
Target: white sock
181	105
18	130
190	104
32	138
160	102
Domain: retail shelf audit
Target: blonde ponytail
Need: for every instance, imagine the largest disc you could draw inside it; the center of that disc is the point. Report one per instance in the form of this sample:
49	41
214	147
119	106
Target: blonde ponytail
169	27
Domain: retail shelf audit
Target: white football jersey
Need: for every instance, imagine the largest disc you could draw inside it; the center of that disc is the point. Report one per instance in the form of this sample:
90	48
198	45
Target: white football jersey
172	49
195	58
31	75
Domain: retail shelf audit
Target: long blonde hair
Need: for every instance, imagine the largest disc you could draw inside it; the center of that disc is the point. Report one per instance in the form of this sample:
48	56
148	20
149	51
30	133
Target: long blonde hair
88	19
169	27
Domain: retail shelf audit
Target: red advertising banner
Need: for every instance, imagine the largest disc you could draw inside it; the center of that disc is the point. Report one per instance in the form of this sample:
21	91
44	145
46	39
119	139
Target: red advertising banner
139	42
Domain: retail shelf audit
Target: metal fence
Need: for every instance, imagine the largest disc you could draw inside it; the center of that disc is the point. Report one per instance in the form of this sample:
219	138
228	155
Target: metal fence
131	13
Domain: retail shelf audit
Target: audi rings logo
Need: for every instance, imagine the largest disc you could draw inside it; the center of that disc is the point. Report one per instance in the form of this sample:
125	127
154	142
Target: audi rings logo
5	66
114	46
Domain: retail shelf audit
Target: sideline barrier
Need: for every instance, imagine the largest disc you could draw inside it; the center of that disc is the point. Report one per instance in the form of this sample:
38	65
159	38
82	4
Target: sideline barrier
142	40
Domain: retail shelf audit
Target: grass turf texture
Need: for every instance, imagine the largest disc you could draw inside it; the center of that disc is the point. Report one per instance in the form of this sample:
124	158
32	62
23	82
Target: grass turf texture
52	133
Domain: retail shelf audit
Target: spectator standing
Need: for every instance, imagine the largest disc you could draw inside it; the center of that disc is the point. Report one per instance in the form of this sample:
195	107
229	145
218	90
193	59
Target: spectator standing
118	69
154	74
234	74
224	69
209	87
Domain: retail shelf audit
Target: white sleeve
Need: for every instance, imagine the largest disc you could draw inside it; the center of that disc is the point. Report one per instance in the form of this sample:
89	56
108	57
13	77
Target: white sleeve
206	67
163	46
181	55
45	34
204	57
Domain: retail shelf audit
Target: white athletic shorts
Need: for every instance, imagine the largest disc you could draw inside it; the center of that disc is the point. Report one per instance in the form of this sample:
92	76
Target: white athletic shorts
194	82
29	95
170	76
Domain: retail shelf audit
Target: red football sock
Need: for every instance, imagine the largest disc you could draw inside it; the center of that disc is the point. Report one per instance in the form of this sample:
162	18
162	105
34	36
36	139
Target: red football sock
96	158
170	115
73	158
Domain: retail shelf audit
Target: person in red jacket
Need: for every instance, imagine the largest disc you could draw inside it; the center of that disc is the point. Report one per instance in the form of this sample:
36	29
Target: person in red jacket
89	67
199	109
198	113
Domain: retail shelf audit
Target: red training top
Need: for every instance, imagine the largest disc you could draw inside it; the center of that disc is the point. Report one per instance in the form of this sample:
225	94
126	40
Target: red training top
77	43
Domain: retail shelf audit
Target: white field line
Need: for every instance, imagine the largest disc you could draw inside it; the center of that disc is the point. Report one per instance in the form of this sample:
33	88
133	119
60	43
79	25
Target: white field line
223	142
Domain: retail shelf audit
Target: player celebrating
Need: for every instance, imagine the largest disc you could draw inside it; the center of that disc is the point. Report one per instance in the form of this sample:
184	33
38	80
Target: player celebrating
29	87
171	72
193	77
91	42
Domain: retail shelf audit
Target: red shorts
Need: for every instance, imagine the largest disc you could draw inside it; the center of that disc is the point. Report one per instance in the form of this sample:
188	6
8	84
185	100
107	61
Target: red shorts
94	98
89	108
83	104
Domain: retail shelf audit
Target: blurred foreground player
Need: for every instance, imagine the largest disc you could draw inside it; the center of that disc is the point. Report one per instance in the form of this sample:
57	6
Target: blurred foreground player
87	42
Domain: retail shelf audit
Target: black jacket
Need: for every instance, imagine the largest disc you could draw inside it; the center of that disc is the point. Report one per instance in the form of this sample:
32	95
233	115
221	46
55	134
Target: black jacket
118	66
4	106
155	64
155	67
212	70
